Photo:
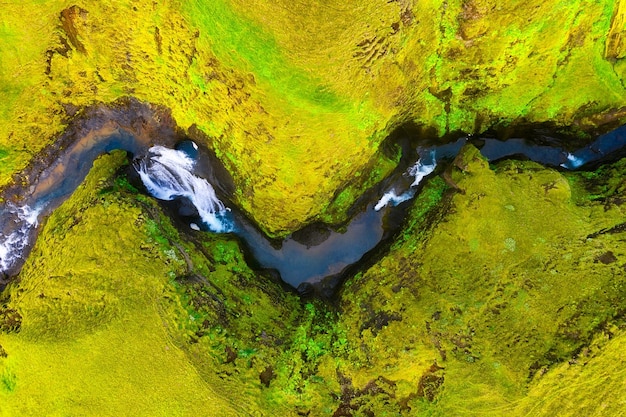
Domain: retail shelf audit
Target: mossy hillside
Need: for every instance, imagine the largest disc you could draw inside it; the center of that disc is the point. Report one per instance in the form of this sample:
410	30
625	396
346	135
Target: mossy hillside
460	65
306	375
472	328
591	384
93	304
505	286
605	185
297	98
100	319
523	61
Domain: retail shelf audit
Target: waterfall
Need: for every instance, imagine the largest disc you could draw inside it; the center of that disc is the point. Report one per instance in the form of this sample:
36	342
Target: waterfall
14	244
425	165
573	162
168	174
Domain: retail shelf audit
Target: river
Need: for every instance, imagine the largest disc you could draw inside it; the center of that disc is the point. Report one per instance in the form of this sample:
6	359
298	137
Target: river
177	173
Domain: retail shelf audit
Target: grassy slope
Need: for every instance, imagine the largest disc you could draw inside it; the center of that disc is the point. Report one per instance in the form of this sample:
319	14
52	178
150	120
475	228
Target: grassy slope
525	61
591	385
487	296
468	315
244	99
92	326
297	97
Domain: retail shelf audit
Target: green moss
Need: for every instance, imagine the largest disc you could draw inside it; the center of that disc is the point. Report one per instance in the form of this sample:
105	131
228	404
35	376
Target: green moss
96	306
382	166
251	48
605	185
471	311
591	383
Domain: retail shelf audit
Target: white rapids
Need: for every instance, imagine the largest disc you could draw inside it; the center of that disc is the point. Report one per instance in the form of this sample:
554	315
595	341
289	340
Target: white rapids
573	162
420	170
167	174
13	244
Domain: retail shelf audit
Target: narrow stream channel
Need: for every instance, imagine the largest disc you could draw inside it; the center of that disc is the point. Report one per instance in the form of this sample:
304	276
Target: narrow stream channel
173	174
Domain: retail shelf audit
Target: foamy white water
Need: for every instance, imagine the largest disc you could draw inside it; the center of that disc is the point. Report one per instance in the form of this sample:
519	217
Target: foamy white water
392	198
573	162
166	174
12	246
422	168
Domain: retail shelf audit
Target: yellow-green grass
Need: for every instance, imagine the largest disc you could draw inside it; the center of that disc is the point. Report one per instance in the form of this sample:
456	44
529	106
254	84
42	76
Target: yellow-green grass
489	302
591	384
155	55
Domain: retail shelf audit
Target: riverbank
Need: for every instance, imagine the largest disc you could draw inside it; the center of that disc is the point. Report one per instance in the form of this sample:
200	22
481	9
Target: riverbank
318	257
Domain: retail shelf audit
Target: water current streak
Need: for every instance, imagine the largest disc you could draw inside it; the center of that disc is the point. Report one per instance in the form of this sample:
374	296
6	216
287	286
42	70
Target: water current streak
494	150
19	223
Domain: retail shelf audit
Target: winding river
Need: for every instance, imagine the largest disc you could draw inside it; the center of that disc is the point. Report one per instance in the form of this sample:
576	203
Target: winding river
176	169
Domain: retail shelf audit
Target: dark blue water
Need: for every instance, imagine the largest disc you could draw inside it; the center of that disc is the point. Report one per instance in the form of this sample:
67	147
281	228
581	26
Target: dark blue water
300	262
